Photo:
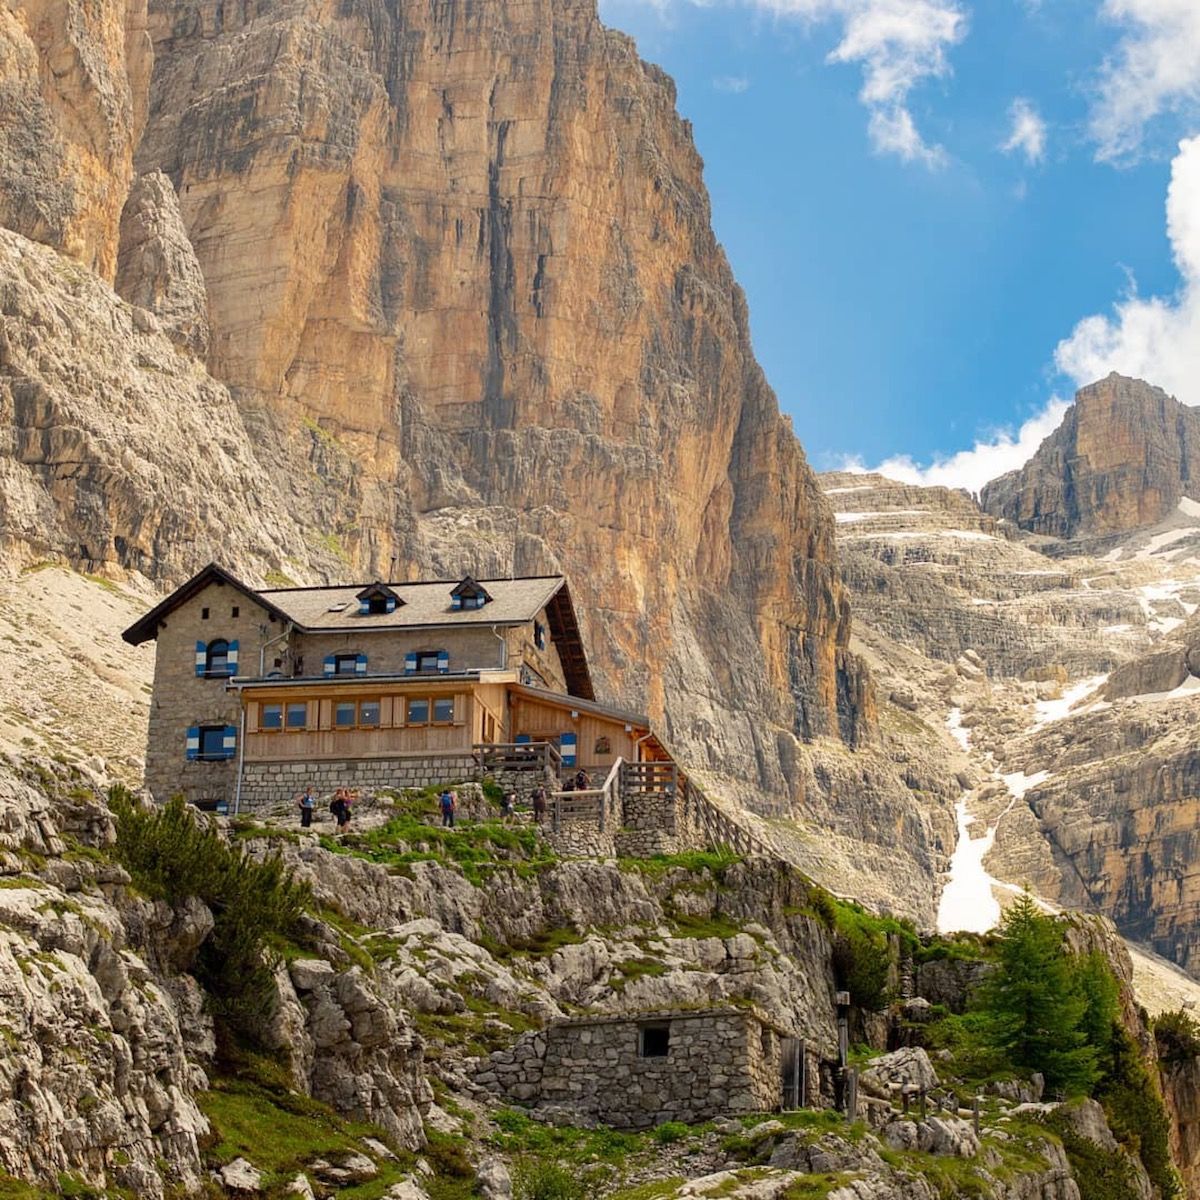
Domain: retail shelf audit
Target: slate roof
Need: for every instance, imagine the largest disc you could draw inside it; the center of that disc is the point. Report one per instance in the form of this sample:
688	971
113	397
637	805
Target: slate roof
513	602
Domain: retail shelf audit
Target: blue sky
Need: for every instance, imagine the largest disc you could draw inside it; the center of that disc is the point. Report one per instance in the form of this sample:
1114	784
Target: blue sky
925	198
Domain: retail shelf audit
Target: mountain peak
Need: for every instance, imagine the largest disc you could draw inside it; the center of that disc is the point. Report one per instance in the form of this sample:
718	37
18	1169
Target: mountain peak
1121	459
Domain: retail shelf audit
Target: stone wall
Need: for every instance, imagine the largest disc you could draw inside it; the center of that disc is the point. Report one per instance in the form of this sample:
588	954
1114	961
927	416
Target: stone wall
182	698
717	1062
656	822
266	786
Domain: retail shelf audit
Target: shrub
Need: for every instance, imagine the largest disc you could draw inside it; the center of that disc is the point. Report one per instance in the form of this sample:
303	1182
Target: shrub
669	1132
171	856
540	1179
1178	1036
1101	1174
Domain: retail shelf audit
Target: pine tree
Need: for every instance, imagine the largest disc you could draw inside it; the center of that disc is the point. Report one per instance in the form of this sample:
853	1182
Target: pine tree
1033	1008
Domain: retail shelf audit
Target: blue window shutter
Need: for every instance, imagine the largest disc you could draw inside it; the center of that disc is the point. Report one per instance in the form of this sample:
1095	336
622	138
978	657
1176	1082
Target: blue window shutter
410	663
391	604
443	662
456	602
330	664
364	607
229	743
193	741
233	658
566	743
522	738
360	665
201	652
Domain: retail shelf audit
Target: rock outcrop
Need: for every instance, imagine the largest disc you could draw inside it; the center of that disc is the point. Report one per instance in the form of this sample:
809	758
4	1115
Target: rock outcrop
74	84
1122	458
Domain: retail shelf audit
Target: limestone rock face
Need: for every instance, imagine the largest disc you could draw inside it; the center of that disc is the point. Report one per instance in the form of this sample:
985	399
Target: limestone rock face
74	83
156	265
1121	458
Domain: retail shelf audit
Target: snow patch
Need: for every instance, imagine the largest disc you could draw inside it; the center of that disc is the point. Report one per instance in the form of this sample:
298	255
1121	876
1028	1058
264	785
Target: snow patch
849	518
1189	507
958	732
1047	711
858	487
1018	783
967	903
1188	687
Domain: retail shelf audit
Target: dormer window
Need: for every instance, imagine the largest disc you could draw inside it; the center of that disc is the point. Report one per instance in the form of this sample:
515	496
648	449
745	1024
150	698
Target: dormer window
217	658
377	599
468	594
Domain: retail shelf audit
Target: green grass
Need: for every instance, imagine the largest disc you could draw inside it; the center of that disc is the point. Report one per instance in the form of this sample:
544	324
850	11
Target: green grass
635	968
684	925
716	861
413	834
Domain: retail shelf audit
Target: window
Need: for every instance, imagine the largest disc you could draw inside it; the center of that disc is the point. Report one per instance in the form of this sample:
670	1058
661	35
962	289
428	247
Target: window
368	713
212	742
474	600
377	605
539	635
271	717
417	712
233	612
216	659
443	710
654	1041
204	614
297	715
345	664
427	660
345	714
468	594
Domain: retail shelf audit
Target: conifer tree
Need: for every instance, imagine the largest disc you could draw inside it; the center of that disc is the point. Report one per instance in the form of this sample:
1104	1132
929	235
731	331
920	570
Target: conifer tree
1033	1008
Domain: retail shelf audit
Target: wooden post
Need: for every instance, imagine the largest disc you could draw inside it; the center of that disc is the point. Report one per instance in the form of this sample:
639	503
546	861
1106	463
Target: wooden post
976	1107
924	1105
851	1093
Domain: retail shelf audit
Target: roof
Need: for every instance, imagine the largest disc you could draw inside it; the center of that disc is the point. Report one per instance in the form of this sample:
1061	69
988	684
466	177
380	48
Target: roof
423	604
642	1017
146	627
588	706
514	602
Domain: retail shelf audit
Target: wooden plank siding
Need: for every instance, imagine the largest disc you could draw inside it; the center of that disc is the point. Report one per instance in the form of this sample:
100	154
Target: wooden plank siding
391	738
543	720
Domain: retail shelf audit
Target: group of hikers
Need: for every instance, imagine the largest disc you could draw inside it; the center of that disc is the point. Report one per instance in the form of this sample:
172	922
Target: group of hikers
344	799
341	806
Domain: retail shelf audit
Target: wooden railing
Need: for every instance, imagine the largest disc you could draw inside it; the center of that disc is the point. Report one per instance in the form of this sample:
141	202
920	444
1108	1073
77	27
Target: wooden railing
600	805
657	776
517	756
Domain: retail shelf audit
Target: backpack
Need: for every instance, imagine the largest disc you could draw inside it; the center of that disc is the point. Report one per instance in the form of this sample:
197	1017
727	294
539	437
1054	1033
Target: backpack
334	805
447	802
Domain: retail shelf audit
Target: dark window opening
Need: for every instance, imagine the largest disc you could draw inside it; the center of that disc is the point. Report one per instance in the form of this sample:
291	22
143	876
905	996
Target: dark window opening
768	1042
272	717
654	1041
345	664
345	714
418	712
212	741
427	660
204	614
539	635
216	658
297	715
443	710
233	612
377	604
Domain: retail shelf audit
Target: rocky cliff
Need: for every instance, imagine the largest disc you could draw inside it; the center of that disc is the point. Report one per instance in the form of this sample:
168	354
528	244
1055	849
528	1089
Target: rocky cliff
453	280
1123	457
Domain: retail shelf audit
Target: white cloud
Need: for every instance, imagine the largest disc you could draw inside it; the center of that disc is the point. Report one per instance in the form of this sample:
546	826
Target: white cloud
985	461
899	44
1028	131
1156	338
1155	69
734	84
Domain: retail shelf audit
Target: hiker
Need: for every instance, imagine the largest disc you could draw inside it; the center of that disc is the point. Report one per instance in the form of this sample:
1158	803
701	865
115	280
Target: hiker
307	804
539	804
582	782
340	807
449	805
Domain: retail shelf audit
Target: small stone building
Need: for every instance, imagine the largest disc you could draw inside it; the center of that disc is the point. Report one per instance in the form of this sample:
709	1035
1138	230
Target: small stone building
636	1071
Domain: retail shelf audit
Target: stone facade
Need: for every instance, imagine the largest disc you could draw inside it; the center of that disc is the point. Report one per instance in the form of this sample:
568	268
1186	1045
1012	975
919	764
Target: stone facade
655	822
268	786
183	699
633	1072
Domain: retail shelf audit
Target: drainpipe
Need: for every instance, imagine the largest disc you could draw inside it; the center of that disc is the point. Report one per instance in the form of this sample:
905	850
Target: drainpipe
638	743
503	648
262	654
237	795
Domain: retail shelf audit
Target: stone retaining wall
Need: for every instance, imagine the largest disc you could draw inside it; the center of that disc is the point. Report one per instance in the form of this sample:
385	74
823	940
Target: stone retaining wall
723	1061
655	823
267	785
